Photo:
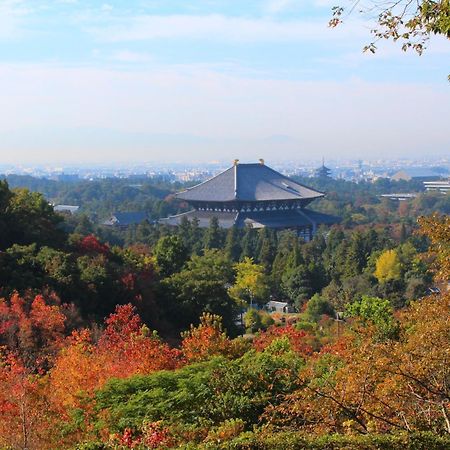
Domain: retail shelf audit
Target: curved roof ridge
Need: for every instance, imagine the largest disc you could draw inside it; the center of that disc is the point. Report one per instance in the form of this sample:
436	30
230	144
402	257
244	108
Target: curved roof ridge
249	182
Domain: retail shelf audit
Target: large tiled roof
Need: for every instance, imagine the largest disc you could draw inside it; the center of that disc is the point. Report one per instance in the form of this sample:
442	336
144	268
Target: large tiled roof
249	182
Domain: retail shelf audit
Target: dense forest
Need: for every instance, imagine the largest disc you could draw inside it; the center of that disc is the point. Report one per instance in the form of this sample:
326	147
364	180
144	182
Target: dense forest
157	337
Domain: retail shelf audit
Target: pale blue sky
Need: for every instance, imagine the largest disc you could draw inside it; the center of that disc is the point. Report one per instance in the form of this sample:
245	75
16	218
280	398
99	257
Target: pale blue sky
202	80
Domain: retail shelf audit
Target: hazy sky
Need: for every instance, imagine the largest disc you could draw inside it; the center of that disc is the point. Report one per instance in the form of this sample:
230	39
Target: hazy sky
200	80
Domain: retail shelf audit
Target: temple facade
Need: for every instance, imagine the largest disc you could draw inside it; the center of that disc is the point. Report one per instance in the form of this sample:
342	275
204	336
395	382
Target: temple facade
253	195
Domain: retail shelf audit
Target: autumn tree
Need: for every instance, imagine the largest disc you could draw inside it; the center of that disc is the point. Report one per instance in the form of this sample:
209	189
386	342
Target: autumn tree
124	348
299	339
206	340
388	266
23	406
364	384
437	229
33	329
250	284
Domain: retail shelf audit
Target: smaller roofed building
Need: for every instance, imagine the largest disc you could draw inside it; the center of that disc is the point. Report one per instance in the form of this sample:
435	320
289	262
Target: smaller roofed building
439	186
419	174
253	195
125	219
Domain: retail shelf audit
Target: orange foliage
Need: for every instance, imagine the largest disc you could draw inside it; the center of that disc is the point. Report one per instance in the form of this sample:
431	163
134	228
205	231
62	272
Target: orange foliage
298	339
437	229
23	407
125	348
207	340
363	385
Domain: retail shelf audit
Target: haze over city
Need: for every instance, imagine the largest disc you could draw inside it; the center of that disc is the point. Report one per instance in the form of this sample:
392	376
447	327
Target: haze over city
118	81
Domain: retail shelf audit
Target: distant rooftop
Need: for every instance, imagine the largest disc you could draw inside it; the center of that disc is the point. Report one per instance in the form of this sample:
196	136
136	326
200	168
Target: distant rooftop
123	219
419	172
249	182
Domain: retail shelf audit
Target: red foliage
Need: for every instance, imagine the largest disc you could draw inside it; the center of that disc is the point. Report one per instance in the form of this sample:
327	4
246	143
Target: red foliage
125	348
120	325
153	435
298	339
34	332
90	244
130	348
127	439
129	281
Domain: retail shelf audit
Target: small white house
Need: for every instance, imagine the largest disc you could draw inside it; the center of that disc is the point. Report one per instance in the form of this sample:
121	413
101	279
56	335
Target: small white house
71	209
279	307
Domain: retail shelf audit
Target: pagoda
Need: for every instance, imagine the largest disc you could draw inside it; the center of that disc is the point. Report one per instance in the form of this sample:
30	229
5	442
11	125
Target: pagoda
253	195
323	171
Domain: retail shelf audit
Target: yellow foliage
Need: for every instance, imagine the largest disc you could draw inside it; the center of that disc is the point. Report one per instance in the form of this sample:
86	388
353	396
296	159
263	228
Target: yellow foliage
388	266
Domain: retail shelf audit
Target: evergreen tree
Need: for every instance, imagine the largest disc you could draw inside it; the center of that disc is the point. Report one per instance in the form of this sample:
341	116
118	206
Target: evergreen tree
249	242
318	276
356	258
232	245
287	240
372	241
403	233
5	197
266	247
184	231
144	233
296	284
195	237
213	235
334	249
295	257
313	251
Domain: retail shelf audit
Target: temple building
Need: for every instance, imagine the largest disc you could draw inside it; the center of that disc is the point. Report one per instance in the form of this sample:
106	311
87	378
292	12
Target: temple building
253	195
323	171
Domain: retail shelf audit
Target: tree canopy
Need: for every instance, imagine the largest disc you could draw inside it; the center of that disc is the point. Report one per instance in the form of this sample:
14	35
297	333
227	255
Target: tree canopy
411	23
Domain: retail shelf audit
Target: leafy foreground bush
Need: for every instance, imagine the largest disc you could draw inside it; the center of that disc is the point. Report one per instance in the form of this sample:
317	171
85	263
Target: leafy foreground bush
288	441
297	441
